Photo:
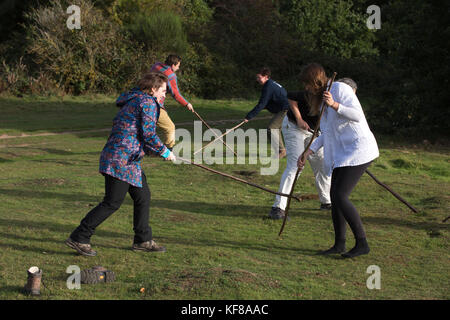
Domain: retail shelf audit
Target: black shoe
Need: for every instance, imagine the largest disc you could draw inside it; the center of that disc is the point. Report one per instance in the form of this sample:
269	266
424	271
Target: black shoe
361	247
325	206
277	213
97	274
332	250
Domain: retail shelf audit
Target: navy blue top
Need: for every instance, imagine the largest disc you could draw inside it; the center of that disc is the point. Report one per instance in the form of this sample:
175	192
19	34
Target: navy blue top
273	98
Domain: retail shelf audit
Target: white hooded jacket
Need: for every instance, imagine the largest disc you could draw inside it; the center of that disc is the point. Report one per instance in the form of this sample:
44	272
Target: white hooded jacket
346	136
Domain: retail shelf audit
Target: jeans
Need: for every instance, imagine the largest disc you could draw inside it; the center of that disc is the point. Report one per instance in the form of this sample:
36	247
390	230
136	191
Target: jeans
296	140
115	192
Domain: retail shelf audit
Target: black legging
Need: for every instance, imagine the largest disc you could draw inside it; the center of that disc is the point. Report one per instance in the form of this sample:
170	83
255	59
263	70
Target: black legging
343	180
115	192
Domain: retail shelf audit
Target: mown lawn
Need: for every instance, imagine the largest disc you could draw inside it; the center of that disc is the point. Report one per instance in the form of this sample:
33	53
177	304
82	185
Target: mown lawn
218	244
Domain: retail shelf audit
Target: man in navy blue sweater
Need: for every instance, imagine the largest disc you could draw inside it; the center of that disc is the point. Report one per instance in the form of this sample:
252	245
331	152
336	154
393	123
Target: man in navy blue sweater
274	99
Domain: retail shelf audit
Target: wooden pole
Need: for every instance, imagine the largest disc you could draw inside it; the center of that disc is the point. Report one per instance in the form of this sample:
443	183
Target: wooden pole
204	122
239	179
395	194
391	191
227	132
316	130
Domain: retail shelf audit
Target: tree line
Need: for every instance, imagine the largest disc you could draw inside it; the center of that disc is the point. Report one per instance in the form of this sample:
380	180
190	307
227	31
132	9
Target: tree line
400	68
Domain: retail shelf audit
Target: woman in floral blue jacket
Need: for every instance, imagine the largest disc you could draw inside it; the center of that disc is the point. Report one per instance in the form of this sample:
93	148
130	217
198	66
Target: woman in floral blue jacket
133	135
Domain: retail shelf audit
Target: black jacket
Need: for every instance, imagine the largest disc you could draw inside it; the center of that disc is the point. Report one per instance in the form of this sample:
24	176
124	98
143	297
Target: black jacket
273	98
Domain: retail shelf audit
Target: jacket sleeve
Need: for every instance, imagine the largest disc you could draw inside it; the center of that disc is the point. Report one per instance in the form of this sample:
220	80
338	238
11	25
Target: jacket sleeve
151	141
349	106
263	101
173	88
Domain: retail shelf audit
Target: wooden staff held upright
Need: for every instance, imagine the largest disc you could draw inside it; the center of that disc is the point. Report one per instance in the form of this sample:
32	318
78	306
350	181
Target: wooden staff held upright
316	131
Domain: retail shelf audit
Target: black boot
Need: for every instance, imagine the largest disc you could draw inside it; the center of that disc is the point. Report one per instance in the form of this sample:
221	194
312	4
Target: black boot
276	214
361	247
339	247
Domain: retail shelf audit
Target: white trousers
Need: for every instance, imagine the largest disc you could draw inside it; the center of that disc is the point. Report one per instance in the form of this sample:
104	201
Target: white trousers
296	140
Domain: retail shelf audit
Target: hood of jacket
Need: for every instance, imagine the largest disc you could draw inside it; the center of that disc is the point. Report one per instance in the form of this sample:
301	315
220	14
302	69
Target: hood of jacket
124	98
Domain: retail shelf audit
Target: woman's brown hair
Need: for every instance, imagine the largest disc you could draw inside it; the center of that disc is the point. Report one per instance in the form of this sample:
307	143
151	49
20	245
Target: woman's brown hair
151	80
313	75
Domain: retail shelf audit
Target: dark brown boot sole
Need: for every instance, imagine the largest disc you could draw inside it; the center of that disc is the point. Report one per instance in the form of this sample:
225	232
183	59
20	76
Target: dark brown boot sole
146	250
92	276
74	246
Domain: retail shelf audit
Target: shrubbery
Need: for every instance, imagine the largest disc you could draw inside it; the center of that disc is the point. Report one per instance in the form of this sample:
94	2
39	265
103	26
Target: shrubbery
98	57
400	69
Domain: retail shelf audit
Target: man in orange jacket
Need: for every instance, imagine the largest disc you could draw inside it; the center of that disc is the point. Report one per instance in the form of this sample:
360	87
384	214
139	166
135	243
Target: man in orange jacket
171	65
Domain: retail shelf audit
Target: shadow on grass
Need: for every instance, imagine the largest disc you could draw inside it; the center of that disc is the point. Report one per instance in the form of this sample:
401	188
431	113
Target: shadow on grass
35	194
58	228
231	244
213	209
47	151
37	249
261	212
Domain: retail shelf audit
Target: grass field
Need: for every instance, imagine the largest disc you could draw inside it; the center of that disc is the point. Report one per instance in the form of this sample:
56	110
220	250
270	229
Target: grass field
218	244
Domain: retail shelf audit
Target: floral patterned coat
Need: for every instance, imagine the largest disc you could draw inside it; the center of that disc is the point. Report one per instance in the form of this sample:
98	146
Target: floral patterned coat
133	135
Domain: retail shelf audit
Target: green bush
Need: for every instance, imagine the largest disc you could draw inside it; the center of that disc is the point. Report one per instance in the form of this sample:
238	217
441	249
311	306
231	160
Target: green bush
331	27
160	31
97	57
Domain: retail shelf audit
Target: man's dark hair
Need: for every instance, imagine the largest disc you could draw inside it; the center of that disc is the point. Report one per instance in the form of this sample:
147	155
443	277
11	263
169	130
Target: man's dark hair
265	71
172	59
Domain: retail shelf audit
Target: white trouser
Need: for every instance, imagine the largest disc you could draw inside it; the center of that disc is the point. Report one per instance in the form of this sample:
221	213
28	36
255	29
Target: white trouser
296	140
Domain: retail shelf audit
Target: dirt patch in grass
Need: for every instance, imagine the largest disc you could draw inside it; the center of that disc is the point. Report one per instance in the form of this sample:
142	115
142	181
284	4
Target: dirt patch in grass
44	182
240	275
190	280
435	202
398	259
304	197
24	145
245	173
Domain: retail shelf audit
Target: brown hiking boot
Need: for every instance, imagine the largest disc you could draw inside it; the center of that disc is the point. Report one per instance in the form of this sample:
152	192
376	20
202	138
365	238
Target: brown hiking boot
148	246
82	248
33	285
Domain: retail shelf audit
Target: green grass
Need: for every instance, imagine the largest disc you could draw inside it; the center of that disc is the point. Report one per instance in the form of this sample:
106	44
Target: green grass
218	245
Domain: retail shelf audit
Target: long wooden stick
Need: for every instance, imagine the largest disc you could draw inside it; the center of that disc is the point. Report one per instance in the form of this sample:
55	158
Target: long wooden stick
395	194
239	179
391	191
316	130
206	124
227	132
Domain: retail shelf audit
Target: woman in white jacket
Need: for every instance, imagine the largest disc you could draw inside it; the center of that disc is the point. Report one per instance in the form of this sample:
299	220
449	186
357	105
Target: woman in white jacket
349	147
